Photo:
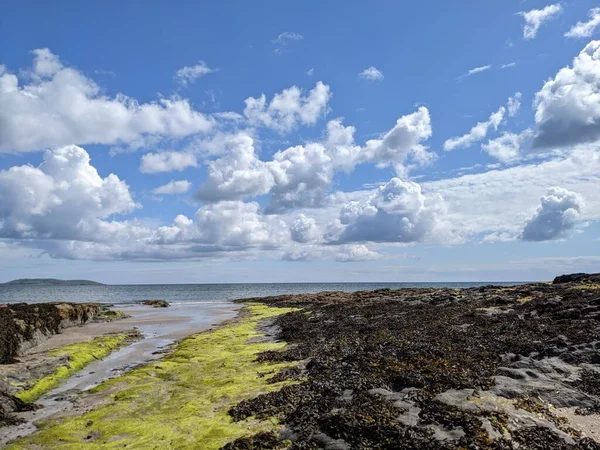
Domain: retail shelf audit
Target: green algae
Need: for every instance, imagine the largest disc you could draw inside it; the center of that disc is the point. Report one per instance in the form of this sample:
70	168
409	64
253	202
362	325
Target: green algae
182	401
79	355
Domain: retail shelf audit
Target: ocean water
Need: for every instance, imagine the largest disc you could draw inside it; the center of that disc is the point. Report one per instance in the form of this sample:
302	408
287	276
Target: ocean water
193	293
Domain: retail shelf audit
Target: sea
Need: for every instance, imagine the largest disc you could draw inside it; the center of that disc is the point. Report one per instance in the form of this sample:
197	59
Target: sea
195	293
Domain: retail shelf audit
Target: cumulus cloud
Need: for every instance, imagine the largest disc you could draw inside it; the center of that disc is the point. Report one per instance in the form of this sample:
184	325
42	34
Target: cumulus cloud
301	176
167	162
477	133
289	108
371	73
63	198
535	18
403	141
356	253
585	29
557	215
507	147
305	229
396	212
225	226
238	174
189	74
340	145
567	108
60	106
173	187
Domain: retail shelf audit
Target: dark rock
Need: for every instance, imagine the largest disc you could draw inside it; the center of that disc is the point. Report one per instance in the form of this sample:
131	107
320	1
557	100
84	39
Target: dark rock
156	303
577	278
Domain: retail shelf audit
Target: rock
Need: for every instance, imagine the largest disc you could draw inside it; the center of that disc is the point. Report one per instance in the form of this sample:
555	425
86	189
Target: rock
578	278
156	303
24	325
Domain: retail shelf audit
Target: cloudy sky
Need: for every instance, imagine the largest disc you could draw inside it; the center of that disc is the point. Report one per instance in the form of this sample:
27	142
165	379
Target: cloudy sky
304	141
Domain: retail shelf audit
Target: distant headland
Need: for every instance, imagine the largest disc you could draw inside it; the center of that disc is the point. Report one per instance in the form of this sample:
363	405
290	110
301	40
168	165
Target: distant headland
50	282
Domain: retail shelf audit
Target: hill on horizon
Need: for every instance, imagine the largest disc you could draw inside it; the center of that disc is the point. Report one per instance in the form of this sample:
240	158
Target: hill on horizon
51	281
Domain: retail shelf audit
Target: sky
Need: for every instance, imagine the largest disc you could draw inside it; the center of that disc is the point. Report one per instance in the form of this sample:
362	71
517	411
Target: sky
215	142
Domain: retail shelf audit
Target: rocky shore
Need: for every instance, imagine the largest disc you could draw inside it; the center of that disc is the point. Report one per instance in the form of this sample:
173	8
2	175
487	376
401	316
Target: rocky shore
483	368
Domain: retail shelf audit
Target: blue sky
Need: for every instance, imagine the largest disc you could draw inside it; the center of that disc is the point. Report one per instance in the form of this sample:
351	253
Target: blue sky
395	141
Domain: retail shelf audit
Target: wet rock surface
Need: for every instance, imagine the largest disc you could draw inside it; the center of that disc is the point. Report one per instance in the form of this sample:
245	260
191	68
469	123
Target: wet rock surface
476	368
22	324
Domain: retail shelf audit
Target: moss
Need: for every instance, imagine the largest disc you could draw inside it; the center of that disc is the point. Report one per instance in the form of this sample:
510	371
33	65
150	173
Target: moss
79	355
181	401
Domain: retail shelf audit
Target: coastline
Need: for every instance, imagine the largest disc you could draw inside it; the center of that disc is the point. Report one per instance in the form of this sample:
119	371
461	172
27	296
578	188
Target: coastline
159	329
492	367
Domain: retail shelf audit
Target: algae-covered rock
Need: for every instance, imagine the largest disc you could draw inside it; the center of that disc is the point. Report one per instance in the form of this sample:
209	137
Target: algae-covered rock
156	303
23	325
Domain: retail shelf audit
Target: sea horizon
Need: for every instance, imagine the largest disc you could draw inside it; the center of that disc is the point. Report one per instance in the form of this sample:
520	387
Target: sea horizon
203	292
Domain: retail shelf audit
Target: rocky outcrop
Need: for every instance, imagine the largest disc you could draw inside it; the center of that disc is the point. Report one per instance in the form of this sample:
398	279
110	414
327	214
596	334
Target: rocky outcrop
483	368
156	303
22	326
584	278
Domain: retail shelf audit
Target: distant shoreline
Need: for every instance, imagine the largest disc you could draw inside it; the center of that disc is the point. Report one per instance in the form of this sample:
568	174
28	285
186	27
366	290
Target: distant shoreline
50	282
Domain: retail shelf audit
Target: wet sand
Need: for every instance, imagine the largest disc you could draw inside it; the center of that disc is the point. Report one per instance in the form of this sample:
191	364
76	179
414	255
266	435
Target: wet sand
160	328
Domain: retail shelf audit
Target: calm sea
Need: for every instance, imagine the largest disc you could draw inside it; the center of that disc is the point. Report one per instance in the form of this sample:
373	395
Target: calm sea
198	293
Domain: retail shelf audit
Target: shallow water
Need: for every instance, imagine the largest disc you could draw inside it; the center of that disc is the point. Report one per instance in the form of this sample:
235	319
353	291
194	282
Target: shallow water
203	293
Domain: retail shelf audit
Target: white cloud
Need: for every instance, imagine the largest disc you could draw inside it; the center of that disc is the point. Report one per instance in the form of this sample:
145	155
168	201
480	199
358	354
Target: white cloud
585	29
225	226
514	104
289	108
302	174
507	147
284	39
396	212
310	71
474	71
403	141
189	74
287	37
501	201
477	133
556	217
535	18
238	174
567	108
508	65
372	74
60	106
167	162
340	145
173	187
305	229
45	63
63	198
356	253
